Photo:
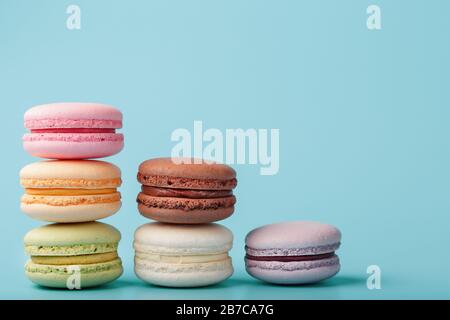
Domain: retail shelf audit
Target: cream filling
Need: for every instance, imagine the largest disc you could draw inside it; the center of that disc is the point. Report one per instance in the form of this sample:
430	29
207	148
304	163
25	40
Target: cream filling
181	259
72	200
81	259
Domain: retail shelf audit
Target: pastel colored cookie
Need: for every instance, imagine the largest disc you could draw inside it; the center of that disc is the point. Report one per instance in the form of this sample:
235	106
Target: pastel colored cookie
297	252
70	190
73	131
65	255
189	193
182	255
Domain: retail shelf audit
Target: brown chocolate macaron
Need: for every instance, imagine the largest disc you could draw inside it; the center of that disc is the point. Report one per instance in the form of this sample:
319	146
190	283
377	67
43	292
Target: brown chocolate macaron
184	191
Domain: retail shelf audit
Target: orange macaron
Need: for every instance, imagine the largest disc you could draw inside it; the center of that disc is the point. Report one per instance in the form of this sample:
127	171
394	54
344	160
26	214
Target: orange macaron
70	190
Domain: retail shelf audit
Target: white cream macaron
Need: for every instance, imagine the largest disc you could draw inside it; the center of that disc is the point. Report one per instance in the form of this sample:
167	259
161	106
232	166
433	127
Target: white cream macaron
182	255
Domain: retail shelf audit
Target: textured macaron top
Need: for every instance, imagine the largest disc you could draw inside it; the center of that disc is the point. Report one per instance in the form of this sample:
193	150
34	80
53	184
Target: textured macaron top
70	173
68	234
73	115
186	173
293	238
183	239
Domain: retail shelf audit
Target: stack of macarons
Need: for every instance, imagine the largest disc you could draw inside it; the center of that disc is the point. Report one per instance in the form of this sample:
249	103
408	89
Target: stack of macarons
72	192
184	248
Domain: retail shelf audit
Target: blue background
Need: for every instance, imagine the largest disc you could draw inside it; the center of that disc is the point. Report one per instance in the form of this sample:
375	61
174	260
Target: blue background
363	118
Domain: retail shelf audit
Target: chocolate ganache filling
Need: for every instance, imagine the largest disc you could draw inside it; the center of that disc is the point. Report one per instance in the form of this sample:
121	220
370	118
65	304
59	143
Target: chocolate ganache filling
291	258
185	193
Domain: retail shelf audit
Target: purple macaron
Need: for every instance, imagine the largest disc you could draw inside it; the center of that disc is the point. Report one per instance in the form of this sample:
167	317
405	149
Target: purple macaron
296	252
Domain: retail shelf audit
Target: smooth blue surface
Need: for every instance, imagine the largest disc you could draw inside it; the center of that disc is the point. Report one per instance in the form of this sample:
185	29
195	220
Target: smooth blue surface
363	118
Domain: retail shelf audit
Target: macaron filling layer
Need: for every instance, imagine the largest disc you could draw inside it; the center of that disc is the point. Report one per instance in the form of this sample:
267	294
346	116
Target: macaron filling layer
291	258
185	204
185	193
79	259
292	266
180	259
301	251
74	130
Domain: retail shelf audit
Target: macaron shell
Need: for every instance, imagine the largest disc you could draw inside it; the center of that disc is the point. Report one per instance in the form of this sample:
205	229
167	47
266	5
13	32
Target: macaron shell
293	273
294	235
87	233
86	170
68	114
57	276
186	168
179	276
186	183
74	149
70	214
180	239
185	217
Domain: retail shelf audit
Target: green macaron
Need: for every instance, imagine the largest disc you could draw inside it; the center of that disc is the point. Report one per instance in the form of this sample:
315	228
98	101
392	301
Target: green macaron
73	256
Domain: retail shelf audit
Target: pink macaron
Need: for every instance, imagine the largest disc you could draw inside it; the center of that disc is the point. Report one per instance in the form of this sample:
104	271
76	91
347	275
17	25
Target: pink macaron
297	252
73	131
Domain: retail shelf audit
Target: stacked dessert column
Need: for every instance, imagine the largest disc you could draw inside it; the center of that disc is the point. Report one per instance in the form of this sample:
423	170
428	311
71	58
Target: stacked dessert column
184	248
74	251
